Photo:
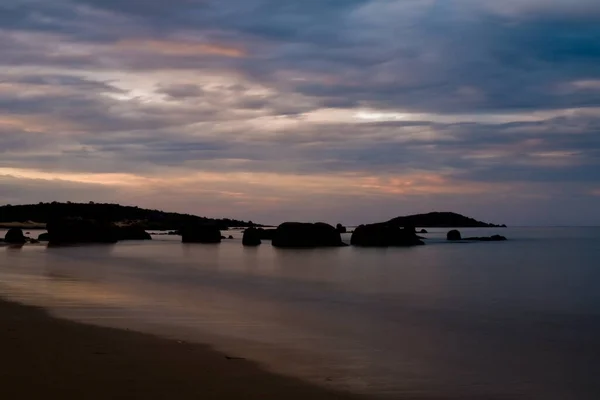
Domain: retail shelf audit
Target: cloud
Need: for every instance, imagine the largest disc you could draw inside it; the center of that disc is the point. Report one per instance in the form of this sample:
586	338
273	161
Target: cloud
178	48
265	107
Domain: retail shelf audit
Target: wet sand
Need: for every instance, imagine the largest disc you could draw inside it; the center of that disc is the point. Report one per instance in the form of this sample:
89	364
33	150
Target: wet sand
45	357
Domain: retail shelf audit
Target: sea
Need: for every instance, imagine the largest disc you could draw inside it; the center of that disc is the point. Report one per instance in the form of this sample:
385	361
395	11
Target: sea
489	321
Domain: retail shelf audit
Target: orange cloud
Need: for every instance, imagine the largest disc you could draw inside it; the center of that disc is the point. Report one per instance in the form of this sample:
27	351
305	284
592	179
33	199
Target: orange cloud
36	123
251	185
180	48
423	183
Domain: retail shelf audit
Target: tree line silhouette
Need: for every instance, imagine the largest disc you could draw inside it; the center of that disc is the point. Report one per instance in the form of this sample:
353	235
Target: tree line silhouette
110	213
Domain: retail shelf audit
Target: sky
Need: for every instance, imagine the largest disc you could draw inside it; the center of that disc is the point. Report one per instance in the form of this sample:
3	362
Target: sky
347	111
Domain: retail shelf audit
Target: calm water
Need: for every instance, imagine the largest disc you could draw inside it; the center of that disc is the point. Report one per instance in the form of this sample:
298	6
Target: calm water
513	320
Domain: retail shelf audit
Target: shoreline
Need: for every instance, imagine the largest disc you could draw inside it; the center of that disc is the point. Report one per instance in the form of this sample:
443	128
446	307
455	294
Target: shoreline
48	357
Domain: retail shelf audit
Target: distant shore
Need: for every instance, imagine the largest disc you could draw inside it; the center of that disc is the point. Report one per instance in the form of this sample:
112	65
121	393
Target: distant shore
46	357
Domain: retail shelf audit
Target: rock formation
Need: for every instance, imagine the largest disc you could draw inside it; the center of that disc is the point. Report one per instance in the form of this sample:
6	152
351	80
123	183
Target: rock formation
453	235
15	236
384	235
251	237
297	234
200	234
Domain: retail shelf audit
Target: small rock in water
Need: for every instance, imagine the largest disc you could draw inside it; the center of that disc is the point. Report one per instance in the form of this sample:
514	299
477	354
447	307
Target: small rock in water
15	236
454	235
251	237
201	234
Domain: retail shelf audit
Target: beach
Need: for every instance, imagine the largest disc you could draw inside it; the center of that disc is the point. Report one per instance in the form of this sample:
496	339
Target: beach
45	357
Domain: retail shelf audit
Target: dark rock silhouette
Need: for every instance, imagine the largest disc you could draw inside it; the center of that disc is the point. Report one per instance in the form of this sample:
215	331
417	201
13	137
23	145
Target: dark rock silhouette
384	235
495	238
109	213
297	234
68	231
440	220
453	235
229	237
200	234
341	228
133	233
423	231
15	236
252	237
44	237
223	237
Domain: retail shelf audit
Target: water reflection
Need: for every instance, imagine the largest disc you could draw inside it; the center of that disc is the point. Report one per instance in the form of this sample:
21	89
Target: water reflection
485	321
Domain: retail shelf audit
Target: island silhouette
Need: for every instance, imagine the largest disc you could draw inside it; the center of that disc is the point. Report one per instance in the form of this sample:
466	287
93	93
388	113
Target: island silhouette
109	223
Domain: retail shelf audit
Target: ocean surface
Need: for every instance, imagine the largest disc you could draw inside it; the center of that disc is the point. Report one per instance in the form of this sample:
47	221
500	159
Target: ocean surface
488	321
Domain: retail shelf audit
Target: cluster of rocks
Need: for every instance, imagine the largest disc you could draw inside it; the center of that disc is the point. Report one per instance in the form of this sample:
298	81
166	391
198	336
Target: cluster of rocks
68	231
455	236
384	235
72	231
302	235
286	235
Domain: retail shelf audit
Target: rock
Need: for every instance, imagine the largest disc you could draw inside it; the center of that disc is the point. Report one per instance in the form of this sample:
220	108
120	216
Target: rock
223	237
44	237
68	231
252	237
297	234
423	231
15	236
340	228
230	237
384	235
133	233
495	238
200	234
453	235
